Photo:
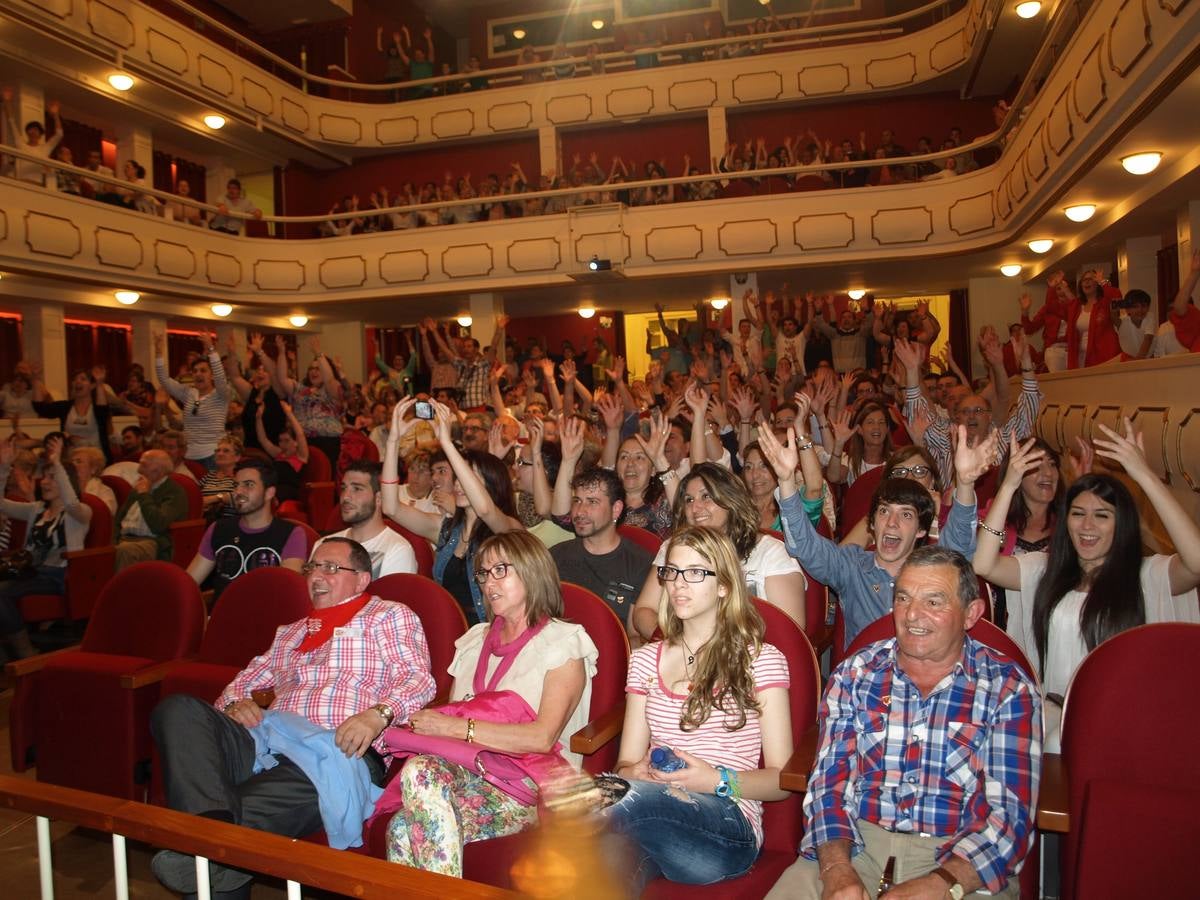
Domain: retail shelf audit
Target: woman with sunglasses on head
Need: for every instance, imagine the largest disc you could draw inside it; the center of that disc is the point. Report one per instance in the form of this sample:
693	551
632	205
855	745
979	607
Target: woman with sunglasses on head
1092	582
478	502
716	696
317	399
524	647
713	497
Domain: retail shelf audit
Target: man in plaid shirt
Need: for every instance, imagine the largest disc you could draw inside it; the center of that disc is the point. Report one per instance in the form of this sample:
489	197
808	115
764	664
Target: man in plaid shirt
929	755
353	667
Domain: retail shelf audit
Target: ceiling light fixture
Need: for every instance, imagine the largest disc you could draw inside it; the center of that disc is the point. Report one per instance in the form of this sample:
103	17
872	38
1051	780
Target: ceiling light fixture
120	81
214	121
1011	270
465	321
298	320
127	297
1080	212
598	24
587	312
1029	8
1041	245
519	34
221	310
1141	163
719	303
856	294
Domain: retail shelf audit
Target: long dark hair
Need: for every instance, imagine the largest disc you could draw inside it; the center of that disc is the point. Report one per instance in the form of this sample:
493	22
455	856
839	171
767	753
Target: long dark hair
1114	600
498	483
1018	511
728	492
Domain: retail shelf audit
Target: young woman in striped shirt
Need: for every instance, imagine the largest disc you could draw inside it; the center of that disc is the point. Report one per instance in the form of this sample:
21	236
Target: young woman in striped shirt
713	693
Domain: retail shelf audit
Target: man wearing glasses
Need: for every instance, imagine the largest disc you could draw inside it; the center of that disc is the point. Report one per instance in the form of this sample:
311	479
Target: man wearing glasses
340	677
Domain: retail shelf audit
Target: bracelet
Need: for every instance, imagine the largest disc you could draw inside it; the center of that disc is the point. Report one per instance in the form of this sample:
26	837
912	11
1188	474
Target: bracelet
807	445
386	481
990	530
833	865
667	474
470	731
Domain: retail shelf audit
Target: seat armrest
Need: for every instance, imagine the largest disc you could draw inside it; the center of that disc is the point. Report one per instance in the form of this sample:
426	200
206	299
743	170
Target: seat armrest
151	674
1053	812
19	668
794	775
595	734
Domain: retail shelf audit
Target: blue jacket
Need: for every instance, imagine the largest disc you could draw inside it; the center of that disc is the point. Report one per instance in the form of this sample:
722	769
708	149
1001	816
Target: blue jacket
344	789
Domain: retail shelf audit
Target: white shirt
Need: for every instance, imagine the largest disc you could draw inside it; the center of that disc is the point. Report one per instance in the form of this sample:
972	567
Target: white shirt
424	504
98	488
1131	335
390	552
768	558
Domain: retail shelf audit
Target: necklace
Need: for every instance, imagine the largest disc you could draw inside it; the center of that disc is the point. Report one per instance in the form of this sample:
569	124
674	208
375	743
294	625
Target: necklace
691	654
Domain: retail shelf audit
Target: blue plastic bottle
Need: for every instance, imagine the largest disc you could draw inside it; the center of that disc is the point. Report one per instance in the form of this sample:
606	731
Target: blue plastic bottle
665	760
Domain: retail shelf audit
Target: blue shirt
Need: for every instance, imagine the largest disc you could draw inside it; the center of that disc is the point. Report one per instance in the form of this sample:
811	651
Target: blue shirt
864	589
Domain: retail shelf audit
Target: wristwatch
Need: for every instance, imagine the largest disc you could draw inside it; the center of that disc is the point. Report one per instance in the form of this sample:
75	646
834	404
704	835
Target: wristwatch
952	886
386	711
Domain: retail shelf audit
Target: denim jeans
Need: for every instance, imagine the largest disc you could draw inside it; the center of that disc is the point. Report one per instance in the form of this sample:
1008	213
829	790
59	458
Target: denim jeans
685	837
48	580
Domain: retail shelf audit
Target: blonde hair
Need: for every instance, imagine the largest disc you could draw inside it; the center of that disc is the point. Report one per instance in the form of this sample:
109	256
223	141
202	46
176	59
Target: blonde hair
232	440
534	566
724	679
93	455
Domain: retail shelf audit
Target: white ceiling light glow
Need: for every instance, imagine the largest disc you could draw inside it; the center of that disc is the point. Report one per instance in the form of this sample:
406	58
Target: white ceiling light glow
221	310
856	293
519	34
298	321
598	24
1011	270
1081	212
1029	9
719	303
1141	163
214	121
127	297
587	311
120	81
1041	245
465	321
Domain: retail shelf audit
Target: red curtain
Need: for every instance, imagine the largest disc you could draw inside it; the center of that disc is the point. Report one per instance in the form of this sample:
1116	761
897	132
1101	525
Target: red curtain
10	344
90	344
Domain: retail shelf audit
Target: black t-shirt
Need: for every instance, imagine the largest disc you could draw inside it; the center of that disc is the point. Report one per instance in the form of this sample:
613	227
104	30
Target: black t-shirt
616	578
235	552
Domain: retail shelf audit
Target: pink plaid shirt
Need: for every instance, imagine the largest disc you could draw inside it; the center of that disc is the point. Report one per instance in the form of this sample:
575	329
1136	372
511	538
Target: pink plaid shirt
380	656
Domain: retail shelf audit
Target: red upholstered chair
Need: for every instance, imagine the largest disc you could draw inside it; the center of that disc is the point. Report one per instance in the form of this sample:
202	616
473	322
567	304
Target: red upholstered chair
440	616
90	731
243	625
87	572
816	601
856	499
492	861
642	537
187	533
196	469
119	486
195	499
318	492
1132	770
782	818
421	548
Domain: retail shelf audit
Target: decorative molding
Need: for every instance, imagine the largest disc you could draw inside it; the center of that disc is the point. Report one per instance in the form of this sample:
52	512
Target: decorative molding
758	87
534	255
400	266
293	115
584	245
1156	418
903	225
1037	160
569	109
118	248
47	239
699	93
519	116
747	237
452	123
257	97
166	252
339	272
110	24
825	231
1089	97
947	53
398	130
1060	132
832	78
222	269
1128	43
279	275
339	129
892	71
468	261
3	225
171	55
1174	7
214	76
971	215
1187	447
629	102
669	243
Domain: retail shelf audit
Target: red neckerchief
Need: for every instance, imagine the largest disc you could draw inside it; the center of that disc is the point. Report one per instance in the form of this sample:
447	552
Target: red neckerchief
322	623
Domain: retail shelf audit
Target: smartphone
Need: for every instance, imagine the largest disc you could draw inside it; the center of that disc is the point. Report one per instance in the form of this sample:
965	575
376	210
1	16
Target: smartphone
423	409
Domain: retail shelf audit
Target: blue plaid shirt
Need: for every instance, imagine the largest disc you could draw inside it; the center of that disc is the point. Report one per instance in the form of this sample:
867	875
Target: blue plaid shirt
962	763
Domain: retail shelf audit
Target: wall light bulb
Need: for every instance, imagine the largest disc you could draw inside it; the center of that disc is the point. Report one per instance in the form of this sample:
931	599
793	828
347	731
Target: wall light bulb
856	294
598	24
719	303
214	121
519	34
1141	163
120	81
1011	270
128	298
1041	245
1081	212
587	311
465	321
298	321
221	310
1029	8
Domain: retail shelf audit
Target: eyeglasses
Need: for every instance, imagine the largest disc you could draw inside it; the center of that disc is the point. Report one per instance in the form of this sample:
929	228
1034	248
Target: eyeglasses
914	471
497	572
972	410
692	574
473	428
329	568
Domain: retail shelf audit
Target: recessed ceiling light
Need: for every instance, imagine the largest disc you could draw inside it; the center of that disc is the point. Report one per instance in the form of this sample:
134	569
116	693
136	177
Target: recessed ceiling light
1010	270
298	321
120	81
598	24
1041	245
1141	163
1028	9
127	297
587	311
519	34
221	310
1081	212
856	293
465	321
214	121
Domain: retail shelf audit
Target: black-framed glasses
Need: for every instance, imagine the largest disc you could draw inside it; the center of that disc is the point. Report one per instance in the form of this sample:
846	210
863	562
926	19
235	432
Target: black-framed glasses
498	572
914	471
329	568
691	574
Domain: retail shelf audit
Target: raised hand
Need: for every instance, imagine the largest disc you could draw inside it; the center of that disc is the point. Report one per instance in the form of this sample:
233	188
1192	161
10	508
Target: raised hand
1129	450
907	353
696	398
537	435
570	439
99	372
1025	302
843	430
783	458
1081	462
314	344
970	463
743	403
8	451
1023	458
568	370
401	423
803	408
611	410
716	412
256	342
443	421
617	372
497	445
158	340
660	430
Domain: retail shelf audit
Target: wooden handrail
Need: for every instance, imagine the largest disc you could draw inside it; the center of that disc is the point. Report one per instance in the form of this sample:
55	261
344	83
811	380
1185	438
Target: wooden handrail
350	874
19	668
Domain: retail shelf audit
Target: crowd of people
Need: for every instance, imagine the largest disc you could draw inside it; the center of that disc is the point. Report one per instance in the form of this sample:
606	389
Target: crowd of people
744	451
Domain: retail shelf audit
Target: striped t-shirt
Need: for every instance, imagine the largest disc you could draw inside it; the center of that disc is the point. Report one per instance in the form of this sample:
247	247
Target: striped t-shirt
203	417
738	750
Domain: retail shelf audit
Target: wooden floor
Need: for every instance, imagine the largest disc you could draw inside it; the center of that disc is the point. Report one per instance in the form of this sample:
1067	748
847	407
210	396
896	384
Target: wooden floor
83	862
